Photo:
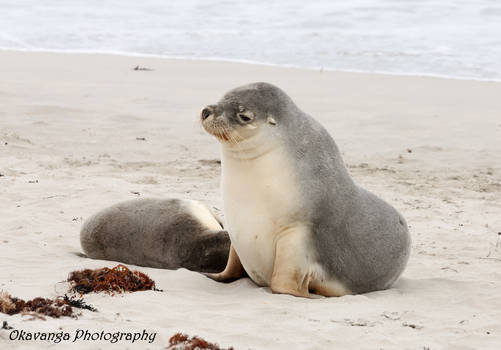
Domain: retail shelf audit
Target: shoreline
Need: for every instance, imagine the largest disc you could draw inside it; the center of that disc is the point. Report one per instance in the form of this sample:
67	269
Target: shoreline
242	61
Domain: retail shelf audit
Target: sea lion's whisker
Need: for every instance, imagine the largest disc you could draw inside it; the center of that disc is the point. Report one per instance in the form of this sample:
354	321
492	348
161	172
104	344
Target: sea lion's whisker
221	133
233	141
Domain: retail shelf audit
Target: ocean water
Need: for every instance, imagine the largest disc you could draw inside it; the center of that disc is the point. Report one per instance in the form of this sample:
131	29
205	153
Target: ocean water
453	38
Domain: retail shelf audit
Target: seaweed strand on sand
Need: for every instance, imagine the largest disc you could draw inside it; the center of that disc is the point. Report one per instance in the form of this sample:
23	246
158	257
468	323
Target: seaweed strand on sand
181	341
118	279
58	307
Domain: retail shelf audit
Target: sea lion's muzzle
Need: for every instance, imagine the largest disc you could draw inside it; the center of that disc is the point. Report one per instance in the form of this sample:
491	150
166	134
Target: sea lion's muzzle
213	124
206	113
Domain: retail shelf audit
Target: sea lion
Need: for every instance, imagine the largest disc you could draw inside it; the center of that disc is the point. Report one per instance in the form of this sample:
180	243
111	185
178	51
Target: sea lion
161	233
297	221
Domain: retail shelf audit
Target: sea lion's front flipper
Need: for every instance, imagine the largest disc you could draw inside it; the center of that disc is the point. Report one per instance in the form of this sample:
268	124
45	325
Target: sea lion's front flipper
233	271
291	273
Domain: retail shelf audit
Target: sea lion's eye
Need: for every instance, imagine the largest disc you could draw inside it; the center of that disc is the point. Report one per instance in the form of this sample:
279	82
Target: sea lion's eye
245	117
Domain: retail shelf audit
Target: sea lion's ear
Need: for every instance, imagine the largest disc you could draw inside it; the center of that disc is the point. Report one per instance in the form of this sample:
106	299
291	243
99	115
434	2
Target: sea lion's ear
271	120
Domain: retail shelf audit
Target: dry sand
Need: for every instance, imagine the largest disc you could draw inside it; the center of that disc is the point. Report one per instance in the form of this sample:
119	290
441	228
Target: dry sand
71	129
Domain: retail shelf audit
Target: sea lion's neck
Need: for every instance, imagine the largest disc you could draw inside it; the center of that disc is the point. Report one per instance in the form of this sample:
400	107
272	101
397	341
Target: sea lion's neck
248	149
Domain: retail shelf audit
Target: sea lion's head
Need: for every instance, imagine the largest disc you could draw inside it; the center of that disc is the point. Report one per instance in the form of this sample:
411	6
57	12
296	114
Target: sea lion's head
244	111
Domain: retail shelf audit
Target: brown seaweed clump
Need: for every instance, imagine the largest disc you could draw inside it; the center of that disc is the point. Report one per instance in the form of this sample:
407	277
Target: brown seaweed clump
118	279
47	307
181	341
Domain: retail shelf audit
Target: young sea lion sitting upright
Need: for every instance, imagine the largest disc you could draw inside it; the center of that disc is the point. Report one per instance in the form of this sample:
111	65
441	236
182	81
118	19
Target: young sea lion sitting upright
297	221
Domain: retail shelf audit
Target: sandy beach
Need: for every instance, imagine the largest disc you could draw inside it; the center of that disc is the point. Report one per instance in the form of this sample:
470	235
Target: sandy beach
79	132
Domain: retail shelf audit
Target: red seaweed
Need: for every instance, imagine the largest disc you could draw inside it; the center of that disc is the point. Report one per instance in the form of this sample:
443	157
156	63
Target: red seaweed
48	307
181	341
118	279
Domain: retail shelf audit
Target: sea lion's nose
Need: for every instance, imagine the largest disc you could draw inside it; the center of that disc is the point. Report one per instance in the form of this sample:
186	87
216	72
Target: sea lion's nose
206	112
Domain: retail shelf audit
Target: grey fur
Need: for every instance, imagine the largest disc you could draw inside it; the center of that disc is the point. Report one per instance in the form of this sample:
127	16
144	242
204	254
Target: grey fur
361	240
156	233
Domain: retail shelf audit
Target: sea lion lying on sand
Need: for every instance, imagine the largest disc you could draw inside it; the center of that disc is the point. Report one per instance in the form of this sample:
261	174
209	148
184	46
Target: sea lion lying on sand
161	233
